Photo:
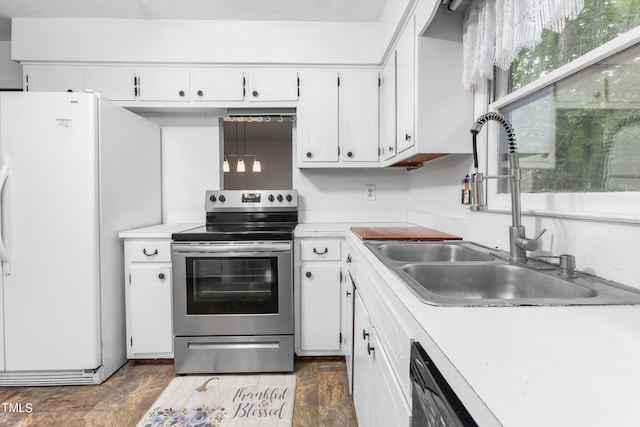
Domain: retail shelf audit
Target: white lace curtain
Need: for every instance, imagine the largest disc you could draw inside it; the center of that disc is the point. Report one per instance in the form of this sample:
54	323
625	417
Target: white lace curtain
496	30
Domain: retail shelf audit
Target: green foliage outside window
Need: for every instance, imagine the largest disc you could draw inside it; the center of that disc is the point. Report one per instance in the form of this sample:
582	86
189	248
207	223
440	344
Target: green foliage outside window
581	134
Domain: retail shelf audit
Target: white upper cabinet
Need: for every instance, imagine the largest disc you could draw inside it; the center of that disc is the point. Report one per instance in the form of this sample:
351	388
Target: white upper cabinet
318	117
405	84
338	118
163	85
53	79
217	85
114	84
272	85
388	109
358	124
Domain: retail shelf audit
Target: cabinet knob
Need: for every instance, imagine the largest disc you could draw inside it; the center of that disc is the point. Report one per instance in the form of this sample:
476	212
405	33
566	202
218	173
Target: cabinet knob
370	349
365	334
308	274
349	154
161	276
309	155
200	93
144	251
407	137
181	93
255	93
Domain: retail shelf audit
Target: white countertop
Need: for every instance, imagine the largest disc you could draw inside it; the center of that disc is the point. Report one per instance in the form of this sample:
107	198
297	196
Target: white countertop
338	229
537	366
158	231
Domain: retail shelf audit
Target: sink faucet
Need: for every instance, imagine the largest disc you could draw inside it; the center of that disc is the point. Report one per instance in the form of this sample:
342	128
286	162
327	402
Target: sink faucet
518	243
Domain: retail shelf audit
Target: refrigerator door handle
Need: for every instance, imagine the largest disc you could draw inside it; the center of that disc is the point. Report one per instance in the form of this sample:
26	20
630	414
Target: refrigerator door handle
4	253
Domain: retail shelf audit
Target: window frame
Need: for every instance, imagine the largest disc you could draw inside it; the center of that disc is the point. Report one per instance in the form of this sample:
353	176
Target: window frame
604	206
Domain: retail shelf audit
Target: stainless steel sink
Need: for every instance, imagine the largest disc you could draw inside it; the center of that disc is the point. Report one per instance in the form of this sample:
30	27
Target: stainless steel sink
467	274
419	252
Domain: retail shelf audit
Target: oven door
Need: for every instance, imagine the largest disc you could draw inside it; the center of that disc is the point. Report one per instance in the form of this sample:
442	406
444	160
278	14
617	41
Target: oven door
232	288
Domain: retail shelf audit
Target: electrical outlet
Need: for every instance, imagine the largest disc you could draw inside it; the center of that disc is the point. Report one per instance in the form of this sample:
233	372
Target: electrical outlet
370	192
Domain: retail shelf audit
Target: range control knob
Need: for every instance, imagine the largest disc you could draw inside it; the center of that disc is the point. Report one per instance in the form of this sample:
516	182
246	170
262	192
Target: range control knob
212	198
279	197
289	198
222	198
271	198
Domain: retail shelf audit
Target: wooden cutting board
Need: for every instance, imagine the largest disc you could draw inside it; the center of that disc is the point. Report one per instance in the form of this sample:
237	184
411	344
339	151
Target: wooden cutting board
401	233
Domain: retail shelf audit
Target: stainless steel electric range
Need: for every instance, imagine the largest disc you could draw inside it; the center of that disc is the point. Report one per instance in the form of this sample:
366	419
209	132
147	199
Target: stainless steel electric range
233	285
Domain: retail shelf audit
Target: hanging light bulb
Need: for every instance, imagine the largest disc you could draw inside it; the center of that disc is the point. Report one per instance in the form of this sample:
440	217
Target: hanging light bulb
240	165
257	167
225	165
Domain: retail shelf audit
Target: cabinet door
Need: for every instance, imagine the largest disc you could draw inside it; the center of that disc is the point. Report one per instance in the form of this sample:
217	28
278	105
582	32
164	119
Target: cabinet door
358	125
362	364
320	307
151	322
405	86
388	109
53	79
217	85
163	85
112	84
318	117
388	406
272	85
346	322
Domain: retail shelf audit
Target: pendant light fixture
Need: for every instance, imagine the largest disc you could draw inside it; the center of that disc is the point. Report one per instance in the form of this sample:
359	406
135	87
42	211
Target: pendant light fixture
257	167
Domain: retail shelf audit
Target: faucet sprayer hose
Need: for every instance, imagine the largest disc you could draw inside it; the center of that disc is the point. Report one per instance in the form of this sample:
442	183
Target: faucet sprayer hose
511	134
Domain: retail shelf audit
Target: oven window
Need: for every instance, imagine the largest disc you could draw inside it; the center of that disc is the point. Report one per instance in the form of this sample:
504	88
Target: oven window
232	285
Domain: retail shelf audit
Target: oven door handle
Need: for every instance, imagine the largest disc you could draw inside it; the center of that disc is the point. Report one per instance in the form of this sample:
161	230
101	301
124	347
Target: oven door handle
232	249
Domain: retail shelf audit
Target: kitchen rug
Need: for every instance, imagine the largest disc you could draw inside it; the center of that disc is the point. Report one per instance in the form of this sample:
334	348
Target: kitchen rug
224	401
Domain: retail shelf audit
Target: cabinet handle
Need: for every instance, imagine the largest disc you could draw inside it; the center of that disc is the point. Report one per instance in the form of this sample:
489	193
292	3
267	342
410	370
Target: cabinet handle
161	276
69	90
181	93
390	148
370	349
326	250
255	93
309	155
407	137
365	334
308	274
348	294
349	259
349	154
144	251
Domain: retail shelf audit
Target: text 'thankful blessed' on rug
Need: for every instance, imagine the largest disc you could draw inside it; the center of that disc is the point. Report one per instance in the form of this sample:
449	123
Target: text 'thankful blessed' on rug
223	401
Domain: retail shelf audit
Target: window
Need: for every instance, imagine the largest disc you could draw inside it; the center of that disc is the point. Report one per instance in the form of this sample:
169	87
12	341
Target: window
574	103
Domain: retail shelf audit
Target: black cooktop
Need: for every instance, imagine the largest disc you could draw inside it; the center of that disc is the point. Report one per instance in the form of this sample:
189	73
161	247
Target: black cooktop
236	233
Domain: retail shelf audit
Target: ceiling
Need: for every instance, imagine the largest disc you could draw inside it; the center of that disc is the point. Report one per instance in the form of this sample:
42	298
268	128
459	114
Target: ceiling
270	10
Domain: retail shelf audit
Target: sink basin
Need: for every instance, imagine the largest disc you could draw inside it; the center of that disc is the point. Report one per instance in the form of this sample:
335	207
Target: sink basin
493	282
429	252
467	274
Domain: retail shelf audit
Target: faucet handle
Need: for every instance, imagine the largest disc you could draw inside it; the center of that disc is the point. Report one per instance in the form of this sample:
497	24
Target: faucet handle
530	244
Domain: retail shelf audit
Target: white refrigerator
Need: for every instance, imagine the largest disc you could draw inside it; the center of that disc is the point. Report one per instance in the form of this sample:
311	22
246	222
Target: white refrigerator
75	170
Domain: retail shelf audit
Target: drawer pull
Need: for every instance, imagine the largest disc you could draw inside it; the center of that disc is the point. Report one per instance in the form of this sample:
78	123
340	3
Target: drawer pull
144	251
315	251
370	349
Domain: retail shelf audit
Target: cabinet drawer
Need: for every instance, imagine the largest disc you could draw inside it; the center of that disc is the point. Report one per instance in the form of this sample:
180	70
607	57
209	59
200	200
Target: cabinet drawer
320	250
148	250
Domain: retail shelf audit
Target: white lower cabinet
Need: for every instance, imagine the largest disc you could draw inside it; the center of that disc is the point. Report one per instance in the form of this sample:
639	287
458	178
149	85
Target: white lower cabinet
148	291
377	395
318	290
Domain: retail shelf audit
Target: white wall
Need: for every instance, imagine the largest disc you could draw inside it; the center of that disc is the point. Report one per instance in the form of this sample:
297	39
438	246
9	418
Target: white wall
195	42
10	71
605	249
338	195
